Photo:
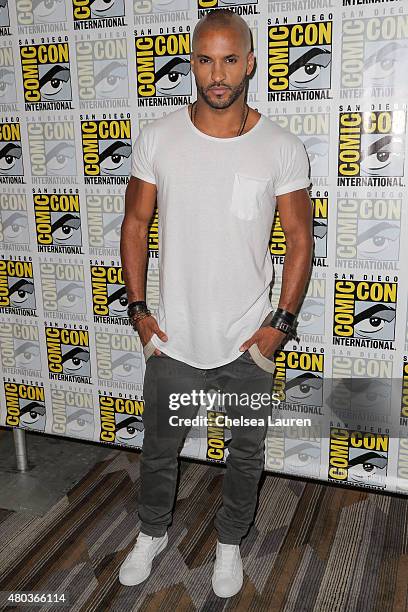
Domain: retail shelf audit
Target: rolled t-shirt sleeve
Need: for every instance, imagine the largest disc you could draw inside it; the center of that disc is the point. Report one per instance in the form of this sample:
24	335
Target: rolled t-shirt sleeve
294	167
142	156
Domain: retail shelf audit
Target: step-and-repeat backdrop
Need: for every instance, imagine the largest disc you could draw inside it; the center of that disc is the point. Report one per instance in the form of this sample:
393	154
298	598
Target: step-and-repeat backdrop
78	80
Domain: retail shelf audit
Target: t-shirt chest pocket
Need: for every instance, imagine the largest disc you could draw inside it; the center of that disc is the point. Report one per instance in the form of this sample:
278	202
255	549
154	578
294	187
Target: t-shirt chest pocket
248	193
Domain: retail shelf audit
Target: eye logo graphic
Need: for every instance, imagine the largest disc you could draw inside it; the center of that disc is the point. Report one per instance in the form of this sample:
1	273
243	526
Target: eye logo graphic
364	310
368	229
20	349
358	457
63	290
96	9
102	67
121	420
107	148
40	11
299	378
77	407
25	406
14	220
17	292
163	66
4	16
299	57
52	148
371	144
68	354
11	152
109	295
46	74
58	223
375	54
118	358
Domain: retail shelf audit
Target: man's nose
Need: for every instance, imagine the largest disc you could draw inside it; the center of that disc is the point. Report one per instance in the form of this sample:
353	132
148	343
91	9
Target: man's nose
218	72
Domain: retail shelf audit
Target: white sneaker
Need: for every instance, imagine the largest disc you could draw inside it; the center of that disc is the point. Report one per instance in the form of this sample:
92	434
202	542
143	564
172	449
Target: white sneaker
138	564
227	577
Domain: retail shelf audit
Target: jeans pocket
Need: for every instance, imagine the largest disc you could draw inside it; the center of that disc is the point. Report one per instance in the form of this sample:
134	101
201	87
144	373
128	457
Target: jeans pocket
248	193
268	365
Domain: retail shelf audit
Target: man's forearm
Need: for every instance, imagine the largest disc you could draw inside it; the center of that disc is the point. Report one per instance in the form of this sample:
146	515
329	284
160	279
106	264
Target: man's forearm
295	274
133	252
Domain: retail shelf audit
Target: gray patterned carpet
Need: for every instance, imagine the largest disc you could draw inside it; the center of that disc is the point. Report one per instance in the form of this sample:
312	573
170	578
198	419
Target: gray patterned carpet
313	547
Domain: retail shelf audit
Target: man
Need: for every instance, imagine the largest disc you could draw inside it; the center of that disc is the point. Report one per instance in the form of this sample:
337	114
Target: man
217	168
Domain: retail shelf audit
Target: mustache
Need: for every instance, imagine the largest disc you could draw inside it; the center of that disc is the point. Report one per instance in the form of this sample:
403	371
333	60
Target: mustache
217	86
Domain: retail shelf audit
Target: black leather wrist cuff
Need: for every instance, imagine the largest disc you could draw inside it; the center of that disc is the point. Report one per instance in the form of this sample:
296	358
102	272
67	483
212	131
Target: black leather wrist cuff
289	317
134	307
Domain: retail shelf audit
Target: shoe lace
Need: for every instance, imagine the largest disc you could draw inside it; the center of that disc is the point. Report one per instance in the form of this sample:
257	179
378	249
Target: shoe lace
225	558
141	546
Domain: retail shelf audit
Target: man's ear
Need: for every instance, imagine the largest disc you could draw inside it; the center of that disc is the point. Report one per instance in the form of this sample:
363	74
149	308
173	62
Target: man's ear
250	62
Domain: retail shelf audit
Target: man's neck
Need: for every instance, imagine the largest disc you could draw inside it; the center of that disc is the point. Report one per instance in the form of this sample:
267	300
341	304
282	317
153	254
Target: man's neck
222	122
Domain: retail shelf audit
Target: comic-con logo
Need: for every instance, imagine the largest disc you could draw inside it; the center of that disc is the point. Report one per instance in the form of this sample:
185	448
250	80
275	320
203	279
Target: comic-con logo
72	413
105	215
4	18
63	290
299	379
14	234
106	150
7	75
52	149
277	244
118	360
361	389
11	153
102	68
46	76
36	12
92	14
163	69
17	291
58	223
20	349
368	230
299	60
374	54
121	420
25	406
358	457
109	296
313	129
217	442
364	313
371	148
294	449
68	354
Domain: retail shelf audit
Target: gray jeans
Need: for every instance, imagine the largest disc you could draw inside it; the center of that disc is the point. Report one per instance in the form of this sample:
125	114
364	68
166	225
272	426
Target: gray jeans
163	442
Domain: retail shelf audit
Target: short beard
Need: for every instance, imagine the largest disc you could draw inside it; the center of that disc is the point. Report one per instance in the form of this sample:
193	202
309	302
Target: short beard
234	94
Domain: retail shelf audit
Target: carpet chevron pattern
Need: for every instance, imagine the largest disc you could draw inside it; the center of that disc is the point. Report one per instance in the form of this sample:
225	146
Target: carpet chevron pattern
312	548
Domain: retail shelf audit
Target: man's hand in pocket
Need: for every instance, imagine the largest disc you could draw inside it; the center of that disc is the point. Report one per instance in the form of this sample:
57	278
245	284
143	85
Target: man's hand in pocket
146	327
268	340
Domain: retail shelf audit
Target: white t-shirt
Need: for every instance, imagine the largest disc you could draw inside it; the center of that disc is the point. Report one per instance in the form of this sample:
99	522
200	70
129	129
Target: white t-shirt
216	203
